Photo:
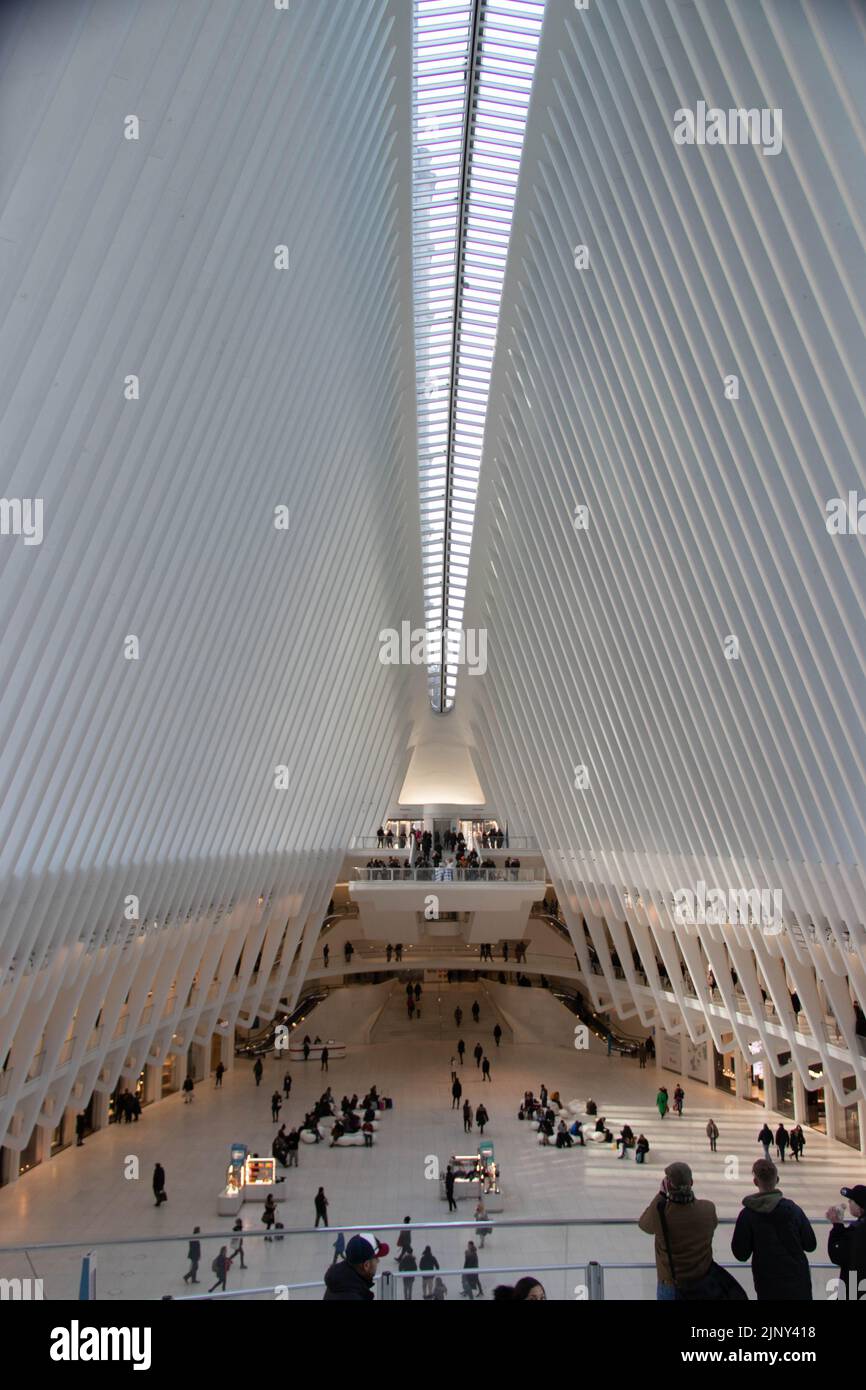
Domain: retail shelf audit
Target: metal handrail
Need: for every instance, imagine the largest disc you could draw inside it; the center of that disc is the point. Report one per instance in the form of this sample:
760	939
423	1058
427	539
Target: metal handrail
443	875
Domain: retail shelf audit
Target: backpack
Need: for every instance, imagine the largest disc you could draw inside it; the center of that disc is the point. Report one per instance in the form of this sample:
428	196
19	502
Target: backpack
215	1264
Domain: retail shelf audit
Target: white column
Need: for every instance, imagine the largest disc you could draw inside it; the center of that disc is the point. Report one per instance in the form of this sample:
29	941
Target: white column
800	1110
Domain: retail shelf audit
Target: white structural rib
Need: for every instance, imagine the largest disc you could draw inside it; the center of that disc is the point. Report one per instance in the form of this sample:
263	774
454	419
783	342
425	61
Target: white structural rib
474	62
156	879
675	693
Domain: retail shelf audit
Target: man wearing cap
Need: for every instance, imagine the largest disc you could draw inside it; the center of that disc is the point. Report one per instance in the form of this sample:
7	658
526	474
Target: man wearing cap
351	1280
847	1244
690	1225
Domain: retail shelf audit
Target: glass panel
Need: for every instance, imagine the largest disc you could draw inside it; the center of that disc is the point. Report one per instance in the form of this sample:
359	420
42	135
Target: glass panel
473	66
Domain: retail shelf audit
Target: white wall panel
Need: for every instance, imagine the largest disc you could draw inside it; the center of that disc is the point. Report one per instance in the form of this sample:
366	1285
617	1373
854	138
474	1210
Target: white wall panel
706	515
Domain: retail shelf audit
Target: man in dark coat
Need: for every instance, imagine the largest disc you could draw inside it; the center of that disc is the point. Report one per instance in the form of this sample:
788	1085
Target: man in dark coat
350	1280
847	1244
159	1184
776	1234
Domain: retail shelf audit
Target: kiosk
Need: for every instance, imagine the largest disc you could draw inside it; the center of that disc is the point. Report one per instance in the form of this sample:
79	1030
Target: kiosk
475	1175
248	1179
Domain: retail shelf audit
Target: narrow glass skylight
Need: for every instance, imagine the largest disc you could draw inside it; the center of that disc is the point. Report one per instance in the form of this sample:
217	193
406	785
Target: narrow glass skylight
473	67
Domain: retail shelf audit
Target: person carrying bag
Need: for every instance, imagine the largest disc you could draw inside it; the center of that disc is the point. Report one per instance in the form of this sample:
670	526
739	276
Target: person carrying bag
676	1218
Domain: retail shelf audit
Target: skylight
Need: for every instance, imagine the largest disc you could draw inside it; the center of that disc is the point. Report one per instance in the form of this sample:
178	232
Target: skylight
473	66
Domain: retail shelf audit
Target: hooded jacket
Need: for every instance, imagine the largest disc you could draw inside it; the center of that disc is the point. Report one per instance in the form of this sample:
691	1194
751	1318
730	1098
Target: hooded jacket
776	1233
345	1284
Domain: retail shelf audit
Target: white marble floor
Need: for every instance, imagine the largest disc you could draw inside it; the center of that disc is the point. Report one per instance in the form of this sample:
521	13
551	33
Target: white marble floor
84	1195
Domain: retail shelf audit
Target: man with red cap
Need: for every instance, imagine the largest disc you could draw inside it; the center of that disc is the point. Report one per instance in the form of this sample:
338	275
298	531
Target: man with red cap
351	1279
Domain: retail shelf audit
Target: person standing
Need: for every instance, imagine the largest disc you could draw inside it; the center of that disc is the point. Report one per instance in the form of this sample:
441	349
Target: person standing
257	1071
476	1011
458	1015
461	1048
325	1054
293	1140
467	1117
276	1104
683	1229
481	1118
483	1228
781	1142
766	1138
641	1057
348	952
287	1085
322	1205
326	954
777	1235
221	1266
159	1184
188	1088
80	1127
485	1070
407	1265
404	1239
497	1034
193	1254
389	951
219	1074
306	1049
428	1261
449	1188
478	1053
471	1282
712	1134
846	1246
398	950
456	1092
269	1214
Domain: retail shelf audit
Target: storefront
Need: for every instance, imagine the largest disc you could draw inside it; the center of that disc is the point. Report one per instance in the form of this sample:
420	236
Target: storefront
64	1134
816	1110
755	1076
785	1089
29	1156
848	1117
168	1083
724	1068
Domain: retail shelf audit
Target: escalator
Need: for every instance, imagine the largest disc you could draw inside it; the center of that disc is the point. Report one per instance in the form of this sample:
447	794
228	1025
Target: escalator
263	1041
623	1043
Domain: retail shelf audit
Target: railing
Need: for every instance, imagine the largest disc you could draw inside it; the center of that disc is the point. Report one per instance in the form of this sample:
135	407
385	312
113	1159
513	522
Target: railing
446	875
559	1252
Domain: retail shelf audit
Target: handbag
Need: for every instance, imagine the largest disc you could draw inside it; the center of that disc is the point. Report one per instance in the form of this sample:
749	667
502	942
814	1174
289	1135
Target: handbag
718	1284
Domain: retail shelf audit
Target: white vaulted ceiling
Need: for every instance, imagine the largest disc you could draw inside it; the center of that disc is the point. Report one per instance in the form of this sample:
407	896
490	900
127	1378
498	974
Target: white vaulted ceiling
705	515
259	388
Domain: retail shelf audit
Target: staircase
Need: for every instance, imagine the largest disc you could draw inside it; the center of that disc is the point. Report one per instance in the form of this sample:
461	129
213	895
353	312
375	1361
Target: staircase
436	1023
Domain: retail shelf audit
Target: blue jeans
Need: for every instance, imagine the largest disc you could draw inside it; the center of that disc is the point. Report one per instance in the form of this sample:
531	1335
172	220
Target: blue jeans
665	1293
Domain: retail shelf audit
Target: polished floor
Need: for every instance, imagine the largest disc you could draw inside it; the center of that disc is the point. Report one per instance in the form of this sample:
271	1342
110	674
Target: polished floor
85	1195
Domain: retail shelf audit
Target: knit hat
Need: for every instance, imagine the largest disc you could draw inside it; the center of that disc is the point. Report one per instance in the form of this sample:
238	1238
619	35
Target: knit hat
856	1194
